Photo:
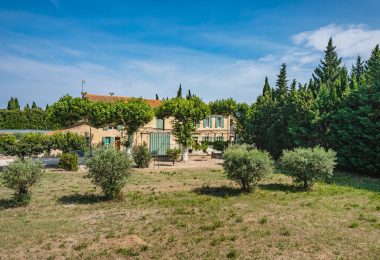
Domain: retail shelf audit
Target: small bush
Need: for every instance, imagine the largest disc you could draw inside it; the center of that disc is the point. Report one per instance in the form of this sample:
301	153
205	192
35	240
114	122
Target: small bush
220	145
174	154
20	175
109	169
69	162
141	156
307	165
246	165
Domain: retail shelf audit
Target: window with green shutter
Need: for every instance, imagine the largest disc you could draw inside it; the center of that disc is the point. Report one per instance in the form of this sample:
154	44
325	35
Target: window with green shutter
106	140
207	122
159	123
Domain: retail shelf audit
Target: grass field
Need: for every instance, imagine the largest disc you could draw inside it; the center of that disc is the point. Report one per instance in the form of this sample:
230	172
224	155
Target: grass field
193	213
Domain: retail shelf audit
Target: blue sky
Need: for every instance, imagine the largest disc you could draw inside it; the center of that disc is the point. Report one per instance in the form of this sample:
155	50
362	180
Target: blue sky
218	49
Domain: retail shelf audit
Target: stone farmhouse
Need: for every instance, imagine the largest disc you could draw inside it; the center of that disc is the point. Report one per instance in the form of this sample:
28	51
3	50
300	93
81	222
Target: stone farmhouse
157	133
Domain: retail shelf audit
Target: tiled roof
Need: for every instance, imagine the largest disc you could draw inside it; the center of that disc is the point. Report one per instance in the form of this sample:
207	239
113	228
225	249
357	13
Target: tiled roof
104	98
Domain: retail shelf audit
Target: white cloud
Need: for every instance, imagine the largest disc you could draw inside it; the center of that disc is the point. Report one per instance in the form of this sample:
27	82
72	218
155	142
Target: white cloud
350	40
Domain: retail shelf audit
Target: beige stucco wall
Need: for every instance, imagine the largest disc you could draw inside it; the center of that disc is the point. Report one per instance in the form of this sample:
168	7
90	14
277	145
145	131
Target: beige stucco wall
143	135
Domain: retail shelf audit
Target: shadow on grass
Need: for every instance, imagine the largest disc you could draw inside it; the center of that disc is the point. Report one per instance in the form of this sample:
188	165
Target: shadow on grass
222	191
7	203
355	181
280	187
82	199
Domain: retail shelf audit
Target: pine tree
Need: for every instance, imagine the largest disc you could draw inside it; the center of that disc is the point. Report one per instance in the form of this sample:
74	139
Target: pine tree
47	107
157	98
27	106
372	68
34	105
282	82
329	69
179	92
266	89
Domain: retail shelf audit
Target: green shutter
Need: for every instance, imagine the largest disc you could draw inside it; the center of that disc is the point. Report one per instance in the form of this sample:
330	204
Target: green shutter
216	122
222	122
210	122
204	123
159	123
112	140
103	140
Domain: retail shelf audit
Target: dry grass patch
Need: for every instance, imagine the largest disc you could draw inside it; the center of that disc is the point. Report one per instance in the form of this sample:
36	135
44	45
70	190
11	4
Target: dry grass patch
192	213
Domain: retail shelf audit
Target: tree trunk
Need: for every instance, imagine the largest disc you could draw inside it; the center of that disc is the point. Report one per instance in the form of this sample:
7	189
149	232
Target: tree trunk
185	154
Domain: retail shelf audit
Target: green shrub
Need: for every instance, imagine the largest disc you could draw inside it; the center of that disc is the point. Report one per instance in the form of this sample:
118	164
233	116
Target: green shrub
69	162
174	154
109	169
246	165
220	145
68	142
20	175
141	156
307	165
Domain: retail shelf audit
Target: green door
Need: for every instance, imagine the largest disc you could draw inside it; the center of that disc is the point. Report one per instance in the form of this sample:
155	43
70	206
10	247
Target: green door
159	143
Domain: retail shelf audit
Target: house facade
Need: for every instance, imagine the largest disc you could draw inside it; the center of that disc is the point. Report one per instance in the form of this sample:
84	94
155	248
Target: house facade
157	133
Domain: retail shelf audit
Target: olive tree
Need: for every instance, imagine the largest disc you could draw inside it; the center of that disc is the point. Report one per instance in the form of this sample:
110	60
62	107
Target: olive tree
308	165
185	114
246	165
25	146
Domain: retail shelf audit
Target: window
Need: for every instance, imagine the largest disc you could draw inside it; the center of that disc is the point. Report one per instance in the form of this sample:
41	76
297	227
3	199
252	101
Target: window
160	123
107	140
219	138
207	122
219	122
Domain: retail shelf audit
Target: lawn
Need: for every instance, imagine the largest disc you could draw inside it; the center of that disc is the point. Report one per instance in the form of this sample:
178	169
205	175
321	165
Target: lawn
194	213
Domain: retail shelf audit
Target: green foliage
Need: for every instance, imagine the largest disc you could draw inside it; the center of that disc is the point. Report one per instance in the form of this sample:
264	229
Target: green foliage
68	110
133	114
68	142
141	155
308	165
187	113
27	145
69	162
26	119
372	68
247	165
20	175
174	154
220	145
223	107
13	104
109	169
355	131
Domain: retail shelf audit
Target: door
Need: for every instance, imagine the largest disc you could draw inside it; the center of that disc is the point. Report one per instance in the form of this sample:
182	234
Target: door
117	143
159	143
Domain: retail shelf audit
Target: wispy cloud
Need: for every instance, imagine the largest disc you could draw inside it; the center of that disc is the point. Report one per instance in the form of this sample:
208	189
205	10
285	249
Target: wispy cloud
55	3
350	40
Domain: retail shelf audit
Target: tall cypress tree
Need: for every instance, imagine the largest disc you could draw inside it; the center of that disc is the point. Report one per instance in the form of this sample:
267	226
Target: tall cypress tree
157	98
189	95
179	92
11	104
17	105
266	88
372	68
34	105
329	69
282	82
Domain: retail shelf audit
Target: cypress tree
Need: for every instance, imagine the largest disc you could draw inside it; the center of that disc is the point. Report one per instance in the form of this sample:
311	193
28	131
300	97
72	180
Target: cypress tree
11	104
329	69
34	105
179	92
17	105
282	82
188	96
266	88
27	106
157	98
